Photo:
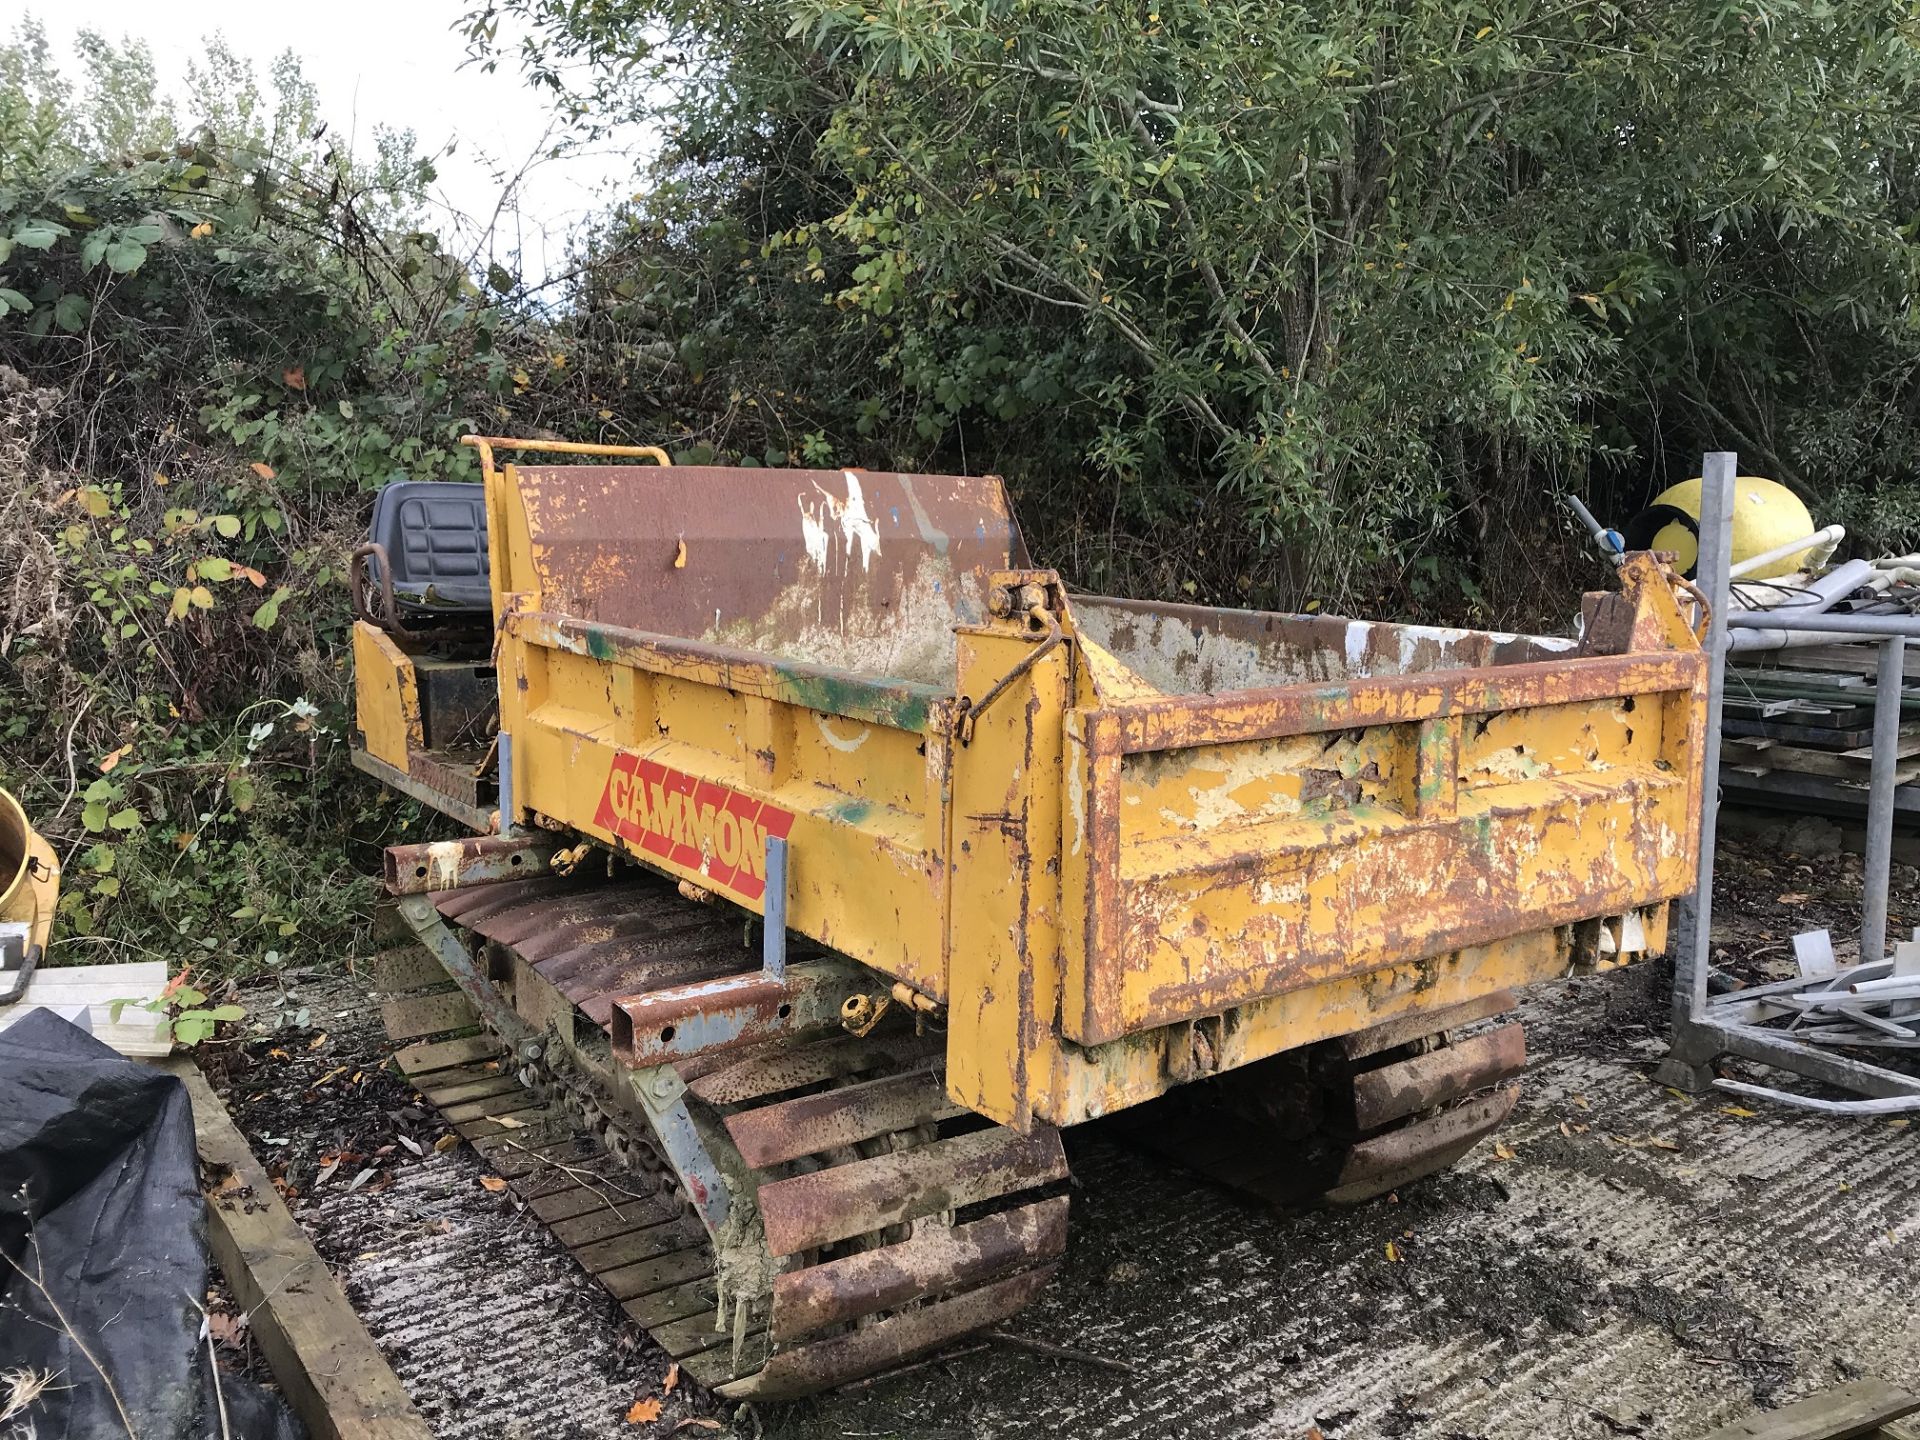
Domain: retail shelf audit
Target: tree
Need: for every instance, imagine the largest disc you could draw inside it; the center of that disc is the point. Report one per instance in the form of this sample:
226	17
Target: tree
1312	299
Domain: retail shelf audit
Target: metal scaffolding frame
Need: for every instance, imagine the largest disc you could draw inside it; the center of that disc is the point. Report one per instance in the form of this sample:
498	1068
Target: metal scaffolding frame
1707	1027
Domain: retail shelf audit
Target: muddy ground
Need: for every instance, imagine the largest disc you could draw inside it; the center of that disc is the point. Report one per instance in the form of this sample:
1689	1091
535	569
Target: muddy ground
1628	1262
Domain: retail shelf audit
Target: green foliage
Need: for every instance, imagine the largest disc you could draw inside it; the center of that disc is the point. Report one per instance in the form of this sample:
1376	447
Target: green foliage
210	352
183	1012
1302	296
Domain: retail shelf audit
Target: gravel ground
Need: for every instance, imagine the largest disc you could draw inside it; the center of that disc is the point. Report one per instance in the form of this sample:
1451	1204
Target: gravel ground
1628	1262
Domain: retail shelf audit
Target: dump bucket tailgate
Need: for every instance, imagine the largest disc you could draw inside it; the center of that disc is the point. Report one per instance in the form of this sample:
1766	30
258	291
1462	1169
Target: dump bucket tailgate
1223	848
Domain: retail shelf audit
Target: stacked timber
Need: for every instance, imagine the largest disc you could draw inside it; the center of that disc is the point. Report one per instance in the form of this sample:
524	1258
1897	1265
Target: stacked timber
1797	731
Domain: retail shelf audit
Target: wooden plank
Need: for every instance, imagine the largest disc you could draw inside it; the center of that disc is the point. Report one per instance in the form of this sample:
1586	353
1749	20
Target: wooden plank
328	1366
677	1303
619	1217
433	1055
630	1282
459	1085
1840	1414
485	1107
68	989
427	1014
1835	764
647	1243
1832	737
412	967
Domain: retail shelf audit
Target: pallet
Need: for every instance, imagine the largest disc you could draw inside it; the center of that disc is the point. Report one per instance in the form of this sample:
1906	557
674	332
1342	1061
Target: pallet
333	1375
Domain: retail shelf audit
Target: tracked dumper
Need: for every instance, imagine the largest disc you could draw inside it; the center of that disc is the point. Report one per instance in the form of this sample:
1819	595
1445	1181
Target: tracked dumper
829	860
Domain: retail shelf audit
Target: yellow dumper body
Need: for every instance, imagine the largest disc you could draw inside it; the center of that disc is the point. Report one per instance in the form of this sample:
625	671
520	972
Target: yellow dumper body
1121	845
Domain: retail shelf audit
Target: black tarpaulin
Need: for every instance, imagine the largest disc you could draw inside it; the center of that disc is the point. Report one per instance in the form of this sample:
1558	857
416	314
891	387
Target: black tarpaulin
103	1257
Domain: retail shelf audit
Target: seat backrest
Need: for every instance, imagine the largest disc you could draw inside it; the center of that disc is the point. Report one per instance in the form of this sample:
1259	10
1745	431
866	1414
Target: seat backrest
435	534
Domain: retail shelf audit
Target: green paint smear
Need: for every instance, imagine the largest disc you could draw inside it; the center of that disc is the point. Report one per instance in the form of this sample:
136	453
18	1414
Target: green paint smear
848	696
851	811
599	646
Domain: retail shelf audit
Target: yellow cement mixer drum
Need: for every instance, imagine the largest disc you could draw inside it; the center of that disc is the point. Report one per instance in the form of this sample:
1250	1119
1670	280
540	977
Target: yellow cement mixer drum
1765	514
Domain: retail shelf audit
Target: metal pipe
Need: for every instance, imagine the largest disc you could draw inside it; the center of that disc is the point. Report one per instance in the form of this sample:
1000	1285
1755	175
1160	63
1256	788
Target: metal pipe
487	444
1886	742
509	816
1827	538
1716	558
1827	591
1849	627
1609	542
773	934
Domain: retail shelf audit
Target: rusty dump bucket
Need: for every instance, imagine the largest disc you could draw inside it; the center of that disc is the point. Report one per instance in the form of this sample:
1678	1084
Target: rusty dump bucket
845	569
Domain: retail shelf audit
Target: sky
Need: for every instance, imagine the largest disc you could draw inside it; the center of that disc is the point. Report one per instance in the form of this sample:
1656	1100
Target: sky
386	62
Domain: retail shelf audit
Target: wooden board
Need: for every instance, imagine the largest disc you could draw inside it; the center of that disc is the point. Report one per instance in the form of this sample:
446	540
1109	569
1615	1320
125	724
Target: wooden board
67	989
1859	1408
1819	735
1758	757
335	1378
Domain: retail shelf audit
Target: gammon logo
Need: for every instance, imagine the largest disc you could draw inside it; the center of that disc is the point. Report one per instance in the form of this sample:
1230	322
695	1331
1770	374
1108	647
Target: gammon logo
693	823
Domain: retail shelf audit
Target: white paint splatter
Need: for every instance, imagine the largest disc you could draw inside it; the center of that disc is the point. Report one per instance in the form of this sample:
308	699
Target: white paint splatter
846	746
859	531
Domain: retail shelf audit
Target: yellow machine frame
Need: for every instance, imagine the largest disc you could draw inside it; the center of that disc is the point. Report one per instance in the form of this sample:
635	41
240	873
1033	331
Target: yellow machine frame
1111	886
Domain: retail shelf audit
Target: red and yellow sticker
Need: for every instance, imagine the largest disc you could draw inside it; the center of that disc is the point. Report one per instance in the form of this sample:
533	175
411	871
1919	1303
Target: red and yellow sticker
693	823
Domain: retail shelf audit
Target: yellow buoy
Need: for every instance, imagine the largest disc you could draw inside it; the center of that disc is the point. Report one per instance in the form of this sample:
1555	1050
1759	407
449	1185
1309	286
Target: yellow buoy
1765	514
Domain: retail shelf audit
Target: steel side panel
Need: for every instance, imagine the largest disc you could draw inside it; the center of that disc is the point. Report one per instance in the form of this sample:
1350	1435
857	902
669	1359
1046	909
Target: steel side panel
1201	929
1084	1084
1229	852
868	881
386	696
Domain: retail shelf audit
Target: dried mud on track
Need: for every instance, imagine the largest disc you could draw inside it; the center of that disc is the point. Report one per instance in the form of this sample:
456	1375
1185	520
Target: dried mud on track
1643	1264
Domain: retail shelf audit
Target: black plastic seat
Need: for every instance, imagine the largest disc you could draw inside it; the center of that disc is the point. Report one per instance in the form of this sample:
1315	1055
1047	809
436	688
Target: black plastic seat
433	535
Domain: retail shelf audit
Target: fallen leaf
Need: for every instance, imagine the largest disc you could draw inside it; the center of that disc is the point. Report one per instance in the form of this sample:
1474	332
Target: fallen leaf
697	1422
507	1122
326	1172
1901	1123
1793	898
114	757
1660	1144
644	1411
492	1184
262	469
202	230
227	1329
362	1178
1393	1251
278	1054
1501	1151
672	1378
414	1145
680	556
1738	1111
445	1143
317	1041
294	379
